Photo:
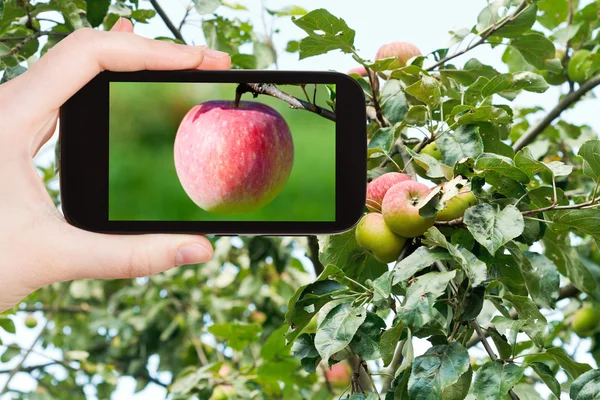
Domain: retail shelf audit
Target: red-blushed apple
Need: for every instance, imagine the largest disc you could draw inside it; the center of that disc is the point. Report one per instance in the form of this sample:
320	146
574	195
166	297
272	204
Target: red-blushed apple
379	186
339	375
403	51
373	235
400	209
455	207
233	160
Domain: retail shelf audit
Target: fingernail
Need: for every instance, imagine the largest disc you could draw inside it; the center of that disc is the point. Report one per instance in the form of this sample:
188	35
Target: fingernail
215	53
117	24
192	254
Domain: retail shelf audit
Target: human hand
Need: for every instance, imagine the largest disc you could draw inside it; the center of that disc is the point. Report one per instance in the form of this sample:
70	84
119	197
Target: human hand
37	246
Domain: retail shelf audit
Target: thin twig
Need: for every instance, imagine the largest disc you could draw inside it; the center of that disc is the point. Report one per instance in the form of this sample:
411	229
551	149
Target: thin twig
18	367
393	367
20	45
270	89
313	253
565	103
187	13
485	35
163	15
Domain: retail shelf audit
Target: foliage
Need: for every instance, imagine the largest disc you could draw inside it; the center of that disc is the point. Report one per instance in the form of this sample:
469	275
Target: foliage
504	278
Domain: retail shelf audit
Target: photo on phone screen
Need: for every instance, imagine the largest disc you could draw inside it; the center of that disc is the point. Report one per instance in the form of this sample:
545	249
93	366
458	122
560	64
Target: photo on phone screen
183	151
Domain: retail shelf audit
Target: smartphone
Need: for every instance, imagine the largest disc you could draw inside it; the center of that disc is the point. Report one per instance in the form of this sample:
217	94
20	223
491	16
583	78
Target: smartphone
214	152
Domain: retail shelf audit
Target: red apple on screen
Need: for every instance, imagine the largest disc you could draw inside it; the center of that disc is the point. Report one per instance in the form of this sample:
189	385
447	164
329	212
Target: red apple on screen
403	51
378	187
400	209
233	160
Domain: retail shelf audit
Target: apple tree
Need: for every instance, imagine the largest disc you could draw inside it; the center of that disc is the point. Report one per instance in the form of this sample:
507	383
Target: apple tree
483	285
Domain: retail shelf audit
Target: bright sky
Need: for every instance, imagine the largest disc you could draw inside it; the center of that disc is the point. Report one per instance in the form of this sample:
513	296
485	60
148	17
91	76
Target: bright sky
425	23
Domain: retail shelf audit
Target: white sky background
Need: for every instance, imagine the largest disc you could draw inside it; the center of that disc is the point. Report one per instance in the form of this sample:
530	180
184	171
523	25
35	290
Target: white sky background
425	23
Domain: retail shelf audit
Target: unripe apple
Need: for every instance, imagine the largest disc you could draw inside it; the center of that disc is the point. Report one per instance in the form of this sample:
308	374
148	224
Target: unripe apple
373	235
233	160
586	321
30	321
432	150
577	65
339	375
223	392
379	186
400	209
456	206
258	317
403	51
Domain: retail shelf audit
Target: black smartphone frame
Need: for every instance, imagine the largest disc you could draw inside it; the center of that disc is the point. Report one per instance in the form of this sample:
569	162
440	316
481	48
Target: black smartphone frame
84	147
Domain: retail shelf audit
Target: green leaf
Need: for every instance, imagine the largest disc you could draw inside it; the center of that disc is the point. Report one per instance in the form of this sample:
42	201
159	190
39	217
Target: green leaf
10	73
309	299
437	369
244	61
427	90
338	328
382	140
326	32
433	168
96	10
7	324
474	268
590	152
421	258
515	81
421	295
304	350
535	324
530	275
502	165
9	354
583	221
238	335
525	161
393	101
206	6
572	368
553	12
417	115
521	24
389	341
469	115
557	248
494	380
365	342
143	15
492	227
460	389
463	143
288	11
505	350
11	11
549	279
538	51
547	376
586	387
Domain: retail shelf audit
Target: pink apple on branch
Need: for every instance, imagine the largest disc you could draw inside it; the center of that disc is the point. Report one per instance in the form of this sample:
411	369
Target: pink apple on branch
233	160
378	187
403	51
400	209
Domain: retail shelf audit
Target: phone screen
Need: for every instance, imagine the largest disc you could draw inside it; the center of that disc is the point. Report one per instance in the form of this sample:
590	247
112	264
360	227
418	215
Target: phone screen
187	152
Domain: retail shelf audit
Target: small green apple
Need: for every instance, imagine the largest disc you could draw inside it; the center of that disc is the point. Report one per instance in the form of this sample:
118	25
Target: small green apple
455	207
400	209
223	392
379	186
578	65
373	235
30	321
586	321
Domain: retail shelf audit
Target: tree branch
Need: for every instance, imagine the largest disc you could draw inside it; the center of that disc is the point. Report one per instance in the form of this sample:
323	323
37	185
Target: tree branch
270	89
163	15
567	101
484	36
490	351
313	253
20	45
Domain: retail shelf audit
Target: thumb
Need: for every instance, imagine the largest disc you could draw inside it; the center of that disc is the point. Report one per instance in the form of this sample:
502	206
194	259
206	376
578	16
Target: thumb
87	255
